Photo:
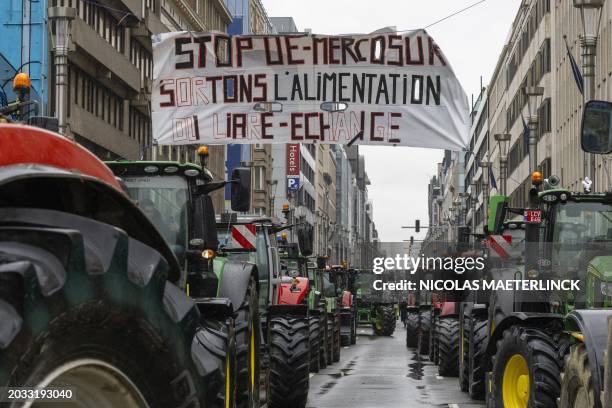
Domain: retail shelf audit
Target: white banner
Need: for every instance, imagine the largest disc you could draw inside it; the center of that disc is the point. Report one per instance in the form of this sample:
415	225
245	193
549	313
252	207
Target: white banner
397	88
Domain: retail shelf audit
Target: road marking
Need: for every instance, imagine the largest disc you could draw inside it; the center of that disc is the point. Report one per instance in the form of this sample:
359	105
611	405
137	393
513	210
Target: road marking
453	405
345	347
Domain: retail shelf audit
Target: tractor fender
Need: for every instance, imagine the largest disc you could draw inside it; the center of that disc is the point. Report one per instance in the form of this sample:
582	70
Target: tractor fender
448	309
287	310
593	324
235	281
538	320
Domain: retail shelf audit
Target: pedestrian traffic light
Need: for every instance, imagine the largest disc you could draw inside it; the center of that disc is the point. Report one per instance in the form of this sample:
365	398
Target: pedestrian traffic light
411	241
417	225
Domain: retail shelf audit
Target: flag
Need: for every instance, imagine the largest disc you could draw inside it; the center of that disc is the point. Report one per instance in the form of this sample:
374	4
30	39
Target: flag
492	178
525	136
575	68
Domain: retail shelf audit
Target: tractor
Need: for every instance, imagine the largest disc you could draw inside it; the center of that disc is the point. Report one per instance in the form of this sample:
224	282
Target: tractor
344	281
374	307
92	295
176	199
294	265
285	344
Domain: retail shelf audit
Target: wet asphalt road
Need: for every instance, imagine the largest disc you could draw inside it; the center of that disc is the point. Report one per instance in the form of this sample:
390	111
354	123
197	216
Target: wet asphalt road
381	372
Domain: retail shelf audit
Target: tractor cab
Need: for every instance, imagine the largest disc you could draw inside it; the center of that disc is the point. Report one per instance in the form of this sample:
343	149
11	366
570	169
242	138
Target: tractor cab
576	243
175	197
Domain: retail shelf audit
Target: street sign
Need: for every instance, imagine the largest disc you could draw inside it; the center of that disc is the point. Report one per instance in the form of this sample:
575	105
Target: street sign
293	183
533	216
244	236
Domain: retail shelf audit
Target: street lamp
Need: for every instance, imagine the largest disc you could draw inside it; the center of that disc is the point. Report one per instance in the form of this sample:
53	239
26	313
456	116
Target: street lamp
503	143
534	96
61	21
590	16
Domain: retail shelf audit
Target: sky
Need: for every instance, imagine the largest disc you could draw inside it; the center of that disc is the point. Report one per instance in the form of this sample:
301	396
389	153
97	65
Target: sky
471	42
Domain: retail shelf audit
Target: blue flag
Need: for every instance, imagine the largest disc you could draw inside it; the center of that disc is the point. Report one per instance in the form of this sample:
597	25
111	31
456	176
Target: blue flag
575	68
525	136
492	178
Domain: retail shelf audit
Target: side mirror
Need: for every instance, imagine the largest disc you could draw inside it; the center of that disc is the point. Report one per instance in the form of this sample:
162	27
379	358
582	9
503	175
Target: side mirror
596	130
204	223
305	234
241	189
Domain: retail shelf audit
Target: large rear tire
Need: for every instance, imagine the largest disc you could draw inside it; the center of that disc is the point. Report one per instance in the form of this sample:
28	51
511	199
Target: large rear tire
337	339
323	340
412	325
247	349
385	322
477	350
433	340
86	307
330	339
315	344
577	389
526	369
424	331
353	326
289	361
449	343
464	364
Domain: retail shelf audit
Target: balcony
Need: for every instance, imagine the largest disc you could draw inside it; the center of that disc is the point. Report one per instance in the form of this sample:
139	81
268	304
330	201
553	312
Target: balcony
101	133
85	38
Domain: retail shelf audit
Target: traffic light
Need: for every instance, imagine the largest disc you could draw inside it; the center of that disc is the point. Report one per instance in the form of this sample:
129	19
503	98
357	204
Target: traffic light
417	225
411	241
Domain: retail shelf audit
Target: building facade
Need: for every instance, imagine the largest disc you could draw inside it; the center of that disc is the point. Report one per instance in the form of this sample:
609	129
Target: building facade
110	67
250	17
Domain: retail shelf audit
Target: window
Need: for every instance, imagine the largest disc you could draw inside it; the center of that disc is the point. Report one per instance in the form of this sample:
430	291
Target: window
91	95
259	146
260	178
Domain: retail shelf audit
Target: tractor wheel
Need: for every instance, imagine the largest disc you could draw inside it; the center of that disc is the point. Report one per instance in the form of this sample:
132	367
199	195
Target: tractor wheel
337	345
526	369
247	349
330	339
477	348
315	346
385	321
449	342
323	341
464	365
433	340
354	328
412	325
86	307
423	332
576	381
289	361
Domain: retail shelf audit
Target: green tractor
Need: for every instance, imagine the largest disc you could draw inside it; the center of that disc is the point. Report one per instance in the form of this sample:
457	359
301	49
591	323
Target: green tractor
175	197
548	346
285	344
374	307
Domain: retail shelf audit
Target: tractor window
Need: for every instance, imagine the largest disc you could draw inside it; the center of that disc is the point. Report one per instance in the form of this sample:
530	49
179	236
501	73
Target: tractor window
581	231
164	202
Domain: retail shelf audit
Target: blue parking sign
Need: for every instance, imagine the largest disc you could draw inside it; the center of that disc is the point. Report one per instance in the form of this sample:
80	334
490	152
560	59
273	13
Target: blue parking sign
293	183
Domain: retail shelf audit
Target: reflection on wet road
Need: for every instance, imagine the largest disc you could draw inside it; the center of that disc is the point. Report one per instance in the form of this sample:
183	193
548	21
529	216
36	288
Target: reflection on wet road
381	372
